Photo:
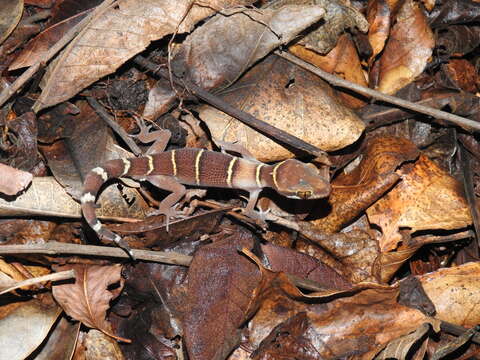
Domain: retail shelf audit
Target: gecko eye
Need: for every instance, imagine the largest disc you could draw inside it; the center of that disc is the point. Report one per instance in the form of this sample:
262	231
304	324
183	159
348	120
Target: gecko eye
305	194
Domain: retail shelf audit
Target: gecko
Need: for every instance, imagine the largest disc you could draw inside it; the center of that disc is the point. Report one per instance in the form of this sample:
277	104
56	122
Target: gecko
172	170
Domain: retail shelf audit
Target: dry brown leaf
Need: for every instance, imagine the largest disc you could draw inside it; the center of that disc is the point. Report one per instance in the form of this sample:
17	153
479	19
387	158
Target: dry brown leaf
38	46
119	33
305	266
10	14
407	51
250	34
360	324
12	180
378	16
426	198
338	18
289	98
342	61
400	347
87	300
455	292
352	193
221	285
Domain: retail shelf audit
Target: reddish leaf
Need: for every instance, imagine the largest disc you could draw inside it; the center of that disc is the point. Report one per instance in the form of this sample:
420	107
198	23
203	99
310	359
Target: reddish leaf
221	284
87	300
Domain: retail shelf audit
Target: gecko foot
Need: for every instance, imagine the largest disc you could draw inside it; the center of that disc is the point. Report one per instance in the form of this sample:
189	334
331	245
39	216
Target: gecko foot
258	216
169	214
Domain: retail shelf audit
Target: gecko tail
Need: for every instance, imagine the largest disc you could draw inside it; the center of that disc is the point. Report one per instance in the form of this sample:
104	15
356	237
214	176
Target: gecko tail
93	182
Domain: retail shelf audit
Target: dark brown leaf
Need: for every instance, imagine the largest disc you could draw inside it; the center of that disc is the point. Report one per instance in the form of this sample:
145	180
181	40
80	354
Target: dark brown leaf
303	265
455	12
221	285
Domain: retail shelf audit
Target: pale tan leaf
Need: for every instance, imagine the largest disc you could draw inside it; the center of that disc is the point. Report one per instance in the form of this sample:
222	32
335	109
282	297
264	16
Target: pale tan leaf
455	292
87	300
24	326
114	37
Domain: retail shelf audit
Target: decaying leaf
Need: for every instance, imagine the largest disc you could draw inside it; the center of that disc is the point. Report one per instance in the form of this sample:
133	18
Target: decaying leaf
88	299
289	98
352	193
455	293
221	285
361	324
10	14
118	34
407	51
426	198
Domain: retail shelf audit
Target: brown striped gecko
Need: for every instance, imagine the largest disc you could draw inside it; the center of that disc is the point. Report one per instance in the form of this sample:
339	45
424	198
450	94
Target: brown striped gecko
171	170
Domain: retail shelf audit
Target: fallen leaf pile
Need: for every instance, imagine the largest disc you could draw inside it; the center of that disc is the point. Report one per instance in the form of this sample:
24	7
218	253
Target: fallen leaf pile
378	97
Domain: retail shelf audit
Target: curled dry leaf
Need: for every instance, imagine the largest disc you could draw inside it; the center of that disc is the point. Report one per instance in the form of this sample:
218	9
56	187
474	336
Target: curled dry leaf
338	18
400	347
10	14
289	98
38	46
114	37
426	198
342	61
88	299
12	180
221	285
455	292
378	16
360	324
352	193
407	51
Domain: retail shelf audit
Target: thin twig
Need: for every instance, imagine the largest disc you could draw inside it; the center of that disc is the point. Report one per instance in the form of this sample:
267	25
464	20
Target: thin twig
62	275
22	79
263	127
114	125
56	248
336	81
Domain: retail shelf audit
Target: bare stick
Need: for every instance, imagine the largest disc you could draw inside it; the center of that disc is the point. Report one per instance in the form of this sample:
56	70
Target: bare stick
62	275
336	81
114	125
56	248
22	79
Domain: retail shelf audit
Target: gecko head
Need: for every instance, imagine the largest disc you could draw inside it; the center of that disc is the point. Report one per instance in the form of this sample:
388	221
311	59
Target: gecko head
297	180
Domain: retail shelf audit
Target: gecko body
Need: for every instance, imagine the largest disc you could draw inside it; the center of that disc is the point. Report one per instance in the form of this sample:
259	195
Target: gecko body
171	170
